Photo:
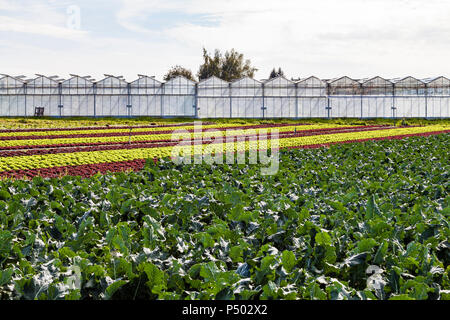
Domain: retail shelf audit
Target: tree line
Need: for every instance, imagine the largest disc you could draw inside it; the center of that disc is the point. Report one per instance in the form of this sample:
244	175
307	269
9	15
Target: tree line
228	66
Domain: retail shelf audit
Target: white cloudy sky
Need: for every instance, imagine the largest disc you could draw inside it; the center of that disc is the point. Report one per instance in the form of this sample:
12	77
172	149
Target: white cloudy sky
327	38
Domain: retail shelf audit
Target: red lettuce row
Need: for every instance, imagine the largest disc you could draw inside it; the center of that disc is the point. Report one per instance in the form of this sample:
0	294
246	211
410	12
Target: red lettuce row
84	171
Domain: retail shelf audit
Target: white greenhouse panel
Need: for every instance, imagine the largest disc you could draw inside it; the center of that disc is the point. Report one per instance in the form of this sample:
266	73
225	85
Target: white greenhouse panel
103	106
445	108
377	107
18	103
144	105
438	107
280	107
48	102
214	107
71	105
410	107
178	106
247	108
345	107
122	109
313	107
5	105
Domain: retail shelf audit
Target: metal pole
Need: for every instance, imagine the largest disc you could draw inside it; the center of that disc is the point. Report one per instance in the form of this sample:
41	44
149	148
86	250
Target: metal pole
328	101
263	101
393	101
196	100
60	105
426	101
361	88
129	106
162	99
94	87
296	100
25	97
231	100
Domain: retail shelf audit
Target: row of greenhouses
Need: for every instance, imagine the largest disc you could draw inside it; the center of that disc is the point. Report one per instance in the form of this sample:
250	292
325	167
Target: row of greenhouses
214	98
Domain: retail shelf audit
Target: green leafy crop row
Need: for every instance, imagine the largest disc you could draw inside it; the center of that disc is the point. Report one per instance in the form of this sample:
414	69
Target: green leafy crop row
356	221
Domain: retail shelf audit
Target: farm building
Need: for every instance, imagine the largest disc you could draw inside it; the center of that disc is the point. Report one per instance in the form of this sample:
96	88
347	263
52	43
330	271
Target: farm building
310	97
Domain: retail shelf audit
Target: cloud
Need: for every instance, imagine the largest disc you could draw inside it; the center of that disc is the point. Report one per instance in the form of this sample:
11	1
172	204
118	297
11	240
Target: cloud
9	24
327	38
47	18
302	36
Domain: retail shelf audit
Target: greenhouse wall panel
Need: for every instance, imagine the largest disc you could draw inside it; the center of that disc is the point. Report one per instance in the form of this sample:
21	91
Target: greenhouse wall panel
281	107
178	105
247	107
6	105
377	107
438	107
48	102
345	107
146	105
313	107
410	107
214	107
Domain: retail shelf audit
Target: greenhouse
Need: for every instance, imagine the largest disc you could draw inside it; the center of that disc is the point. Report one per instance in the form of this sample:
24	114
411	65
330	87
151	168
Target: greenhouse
12	96
146	96
377	101
438	91
345	98
179	98
310	97
280	98
247	99
214	98
77	96
410	100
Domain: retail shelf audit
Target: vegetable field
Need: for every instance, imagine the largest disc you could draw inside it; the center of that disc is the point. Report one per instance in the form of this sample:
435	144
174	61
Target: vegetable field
339	220
85	151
